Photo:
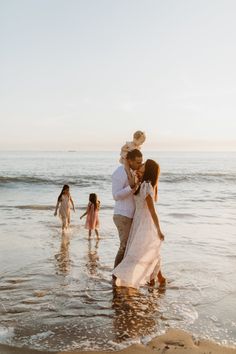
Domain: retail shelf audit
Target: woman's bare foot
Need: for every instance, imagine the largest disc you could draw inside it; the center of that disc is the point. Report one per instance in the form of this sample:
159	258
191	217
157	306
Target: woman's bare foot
152	282
161	279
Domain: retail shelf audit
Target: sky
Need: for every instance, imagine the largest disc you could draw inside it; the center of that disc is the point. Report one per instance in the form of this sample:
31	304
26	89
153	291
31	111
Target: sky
86	74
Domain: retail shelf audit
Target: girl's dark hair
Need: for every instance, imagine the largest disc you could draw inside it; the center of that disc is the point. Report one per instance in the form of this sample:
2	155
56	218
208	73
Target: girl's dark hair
93	199
151	174
62	191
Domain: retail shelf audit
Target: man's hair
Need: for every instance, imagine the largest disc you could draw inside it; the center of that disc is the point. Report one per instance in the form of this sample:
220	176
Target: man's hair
131	155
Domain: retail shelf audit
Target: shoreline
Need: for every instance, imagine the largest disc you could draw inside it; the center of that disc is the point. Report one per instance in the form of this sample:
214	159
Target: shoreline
174	341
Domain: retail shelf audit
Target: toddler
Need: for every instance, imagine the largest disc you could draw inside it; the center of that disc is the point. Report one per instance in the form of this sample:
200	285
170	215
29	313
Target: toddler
138	139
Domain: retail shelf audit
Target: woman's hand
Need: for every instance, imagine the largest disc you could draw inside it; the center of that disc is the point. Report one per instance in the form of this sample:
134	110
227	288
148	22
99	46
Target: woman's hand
136	187
161	236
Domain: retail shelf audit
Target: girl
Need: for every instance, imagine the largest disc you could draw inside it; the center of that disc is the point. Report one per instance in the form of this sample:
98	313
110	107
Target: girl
142	261
92	220
63	203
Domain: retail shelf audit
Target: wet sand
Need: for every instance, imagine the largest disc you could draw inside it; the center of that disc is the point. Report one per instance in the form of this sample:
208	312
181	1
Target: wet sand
173	342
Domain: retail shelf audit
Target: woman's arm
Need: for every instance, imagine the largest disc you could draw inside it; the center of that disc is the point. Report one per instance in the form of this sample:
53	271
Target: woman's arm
153	213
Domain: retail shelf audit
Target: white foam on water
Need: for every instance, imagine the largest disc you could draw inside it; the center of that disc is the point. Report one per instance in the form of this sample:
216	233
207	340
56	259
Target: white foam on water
40	336
146	339
6	333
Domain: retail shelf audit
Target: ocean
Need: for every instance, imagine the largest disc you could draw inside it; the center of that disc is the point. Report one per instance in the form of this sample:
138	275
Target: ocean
55	289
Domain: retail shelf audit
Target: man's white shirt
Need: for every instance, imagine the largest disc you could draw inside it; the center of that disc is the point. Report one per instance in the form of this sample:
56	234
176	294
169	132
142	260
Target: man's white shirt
122	193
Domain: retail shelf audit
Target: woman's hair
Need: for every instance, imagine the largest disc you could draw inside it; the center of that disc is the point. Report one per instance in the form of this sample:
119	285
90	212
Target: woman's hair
65	187
151	174
93	199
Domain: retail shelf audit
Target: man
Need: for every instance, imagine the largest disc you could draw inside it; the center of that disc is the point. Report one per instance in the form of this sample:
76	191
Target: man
124	200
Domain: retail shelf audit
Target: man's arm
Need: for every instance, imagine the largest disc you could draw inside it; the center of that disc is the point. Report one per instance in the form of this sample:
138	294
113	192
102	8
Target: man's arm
131	178
120	192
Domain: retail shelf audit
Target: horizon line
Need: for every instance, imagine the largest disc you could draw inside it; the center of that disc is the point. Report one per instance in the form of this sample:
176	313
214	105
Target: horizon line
97	150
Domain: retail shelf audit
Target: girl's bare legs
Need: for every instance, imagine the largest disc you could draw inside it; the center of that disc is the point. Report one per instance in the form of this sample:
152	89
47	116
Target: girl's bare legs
97	234
64	224
90	233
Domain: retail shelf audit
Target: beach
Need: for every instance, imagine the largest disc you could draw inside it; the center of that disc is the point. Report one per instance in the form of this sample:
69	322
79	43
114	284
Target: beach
83	84
173	342
56	292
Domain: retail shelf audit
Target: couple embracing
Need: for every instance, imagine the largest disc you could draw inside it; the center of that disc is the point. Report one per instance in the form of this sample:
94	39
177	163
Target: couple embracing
134	189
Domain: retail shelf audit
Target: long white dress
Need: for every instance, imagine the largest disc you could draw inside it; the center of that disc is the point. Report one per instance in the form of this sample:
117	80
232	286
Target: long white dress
142	259
64	209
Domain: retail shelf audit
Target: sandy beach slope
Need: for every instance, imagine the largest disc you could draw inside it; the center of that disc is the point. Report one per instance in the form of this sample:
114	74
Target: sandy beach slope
173	342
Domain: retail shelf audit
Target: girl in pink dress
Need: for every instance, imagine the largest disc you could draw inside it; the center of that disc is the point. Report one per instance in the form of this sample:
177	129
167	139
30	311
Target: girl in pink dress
92	220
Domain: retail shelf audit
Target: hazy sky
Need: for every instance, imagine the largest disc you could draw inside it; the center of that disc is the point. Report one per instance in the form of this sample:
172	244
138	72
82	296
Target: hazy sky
86	74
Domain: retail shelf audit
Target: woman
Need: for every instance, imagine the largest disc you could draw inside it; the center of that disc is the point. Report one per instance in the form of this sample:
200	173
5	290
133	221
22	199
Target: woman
142	262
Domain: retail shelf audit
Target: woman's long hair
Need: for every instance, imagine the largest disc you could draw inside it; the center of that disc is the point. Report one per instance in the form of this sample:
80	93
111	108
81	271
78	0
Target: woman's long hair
151	174
94	200
65	187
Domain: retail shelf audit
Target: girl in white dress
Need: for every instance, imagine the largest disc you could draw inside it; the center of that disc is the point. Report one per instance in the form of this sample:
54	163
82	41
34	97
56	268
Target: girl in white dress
142	262
63	203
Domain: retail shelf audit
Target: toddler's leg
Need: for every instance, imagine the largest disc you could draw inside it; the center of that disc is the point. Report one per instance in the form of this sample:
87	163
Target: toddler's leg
90	233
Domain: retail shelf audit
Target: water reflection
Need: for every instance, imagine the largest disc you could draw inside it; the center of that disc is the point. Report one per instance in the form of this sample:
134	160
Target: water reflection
93	257
63	257
135	314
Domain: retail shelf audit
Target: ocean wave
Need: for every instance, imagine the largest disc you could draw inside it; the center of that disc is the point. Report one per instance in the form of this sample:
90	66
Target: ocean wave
87	180
197	177
80	180
182	215
48	207
35	207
